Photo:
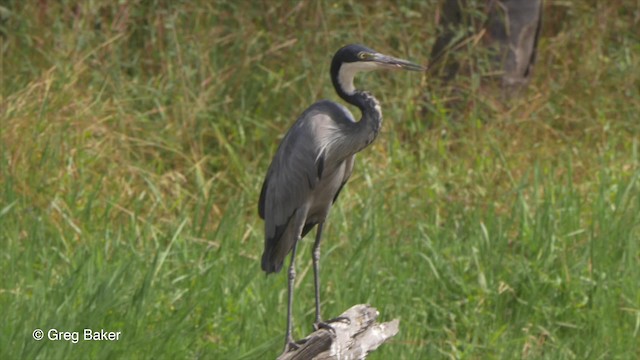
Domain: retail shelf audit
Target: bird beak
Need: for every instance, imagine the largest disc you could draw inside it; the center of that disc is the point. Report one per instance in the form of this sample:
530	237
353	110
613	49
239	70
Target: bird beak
390	62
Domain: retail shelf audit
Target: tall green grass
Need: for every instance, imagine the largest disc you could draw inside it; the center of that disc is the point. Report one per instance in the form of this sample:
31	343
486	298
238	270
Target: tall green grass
135	137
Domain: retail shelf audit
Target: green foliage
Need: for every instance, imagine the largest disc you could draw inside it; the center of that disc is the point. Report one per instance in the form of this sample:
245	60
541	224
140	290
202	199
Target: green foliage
135	136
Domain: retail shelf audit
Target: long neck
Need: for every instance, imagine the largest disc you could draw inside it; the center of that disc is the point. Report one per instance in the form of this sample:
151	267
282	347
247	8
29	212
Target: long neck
363	132
366	130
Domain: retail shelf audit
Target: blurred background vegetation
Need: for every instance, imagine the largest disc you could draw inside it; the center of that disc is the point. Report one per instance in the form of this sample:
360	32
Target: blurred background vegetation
135	136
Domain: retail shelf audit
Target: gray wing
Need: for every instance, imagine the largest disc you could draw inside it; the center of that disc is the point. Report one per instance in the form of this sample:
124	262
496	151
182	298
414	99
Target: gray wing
347	174
294	172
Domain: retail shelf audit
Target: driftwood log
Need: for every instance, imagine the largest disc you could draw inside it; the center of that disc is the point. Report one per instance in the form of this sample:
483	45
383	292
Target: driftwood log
355	334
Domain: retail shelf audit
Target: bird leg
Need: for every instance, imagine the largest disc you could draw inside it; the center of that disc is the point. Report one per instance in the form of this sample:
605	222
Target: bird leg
319	324
289	343
316	274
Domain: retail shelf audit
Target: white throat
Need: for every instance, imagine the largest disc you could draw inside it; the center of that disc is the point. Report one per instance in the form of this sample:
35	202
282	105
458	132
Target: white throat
349	70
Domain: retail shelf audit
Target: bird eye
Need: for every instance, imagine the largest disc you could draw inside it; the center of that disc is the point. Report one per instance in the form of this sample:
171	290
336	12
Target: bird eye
362	55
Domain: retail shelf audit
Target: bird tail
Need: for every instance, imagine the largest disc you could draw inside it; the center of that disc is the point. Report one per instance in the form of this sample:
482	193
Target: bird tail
276	251
269	264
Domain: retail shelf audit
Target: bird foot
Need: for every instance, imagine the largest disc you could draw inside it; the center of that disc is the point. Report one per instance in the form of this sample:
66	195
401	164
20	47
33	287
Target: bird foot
326	324
290	346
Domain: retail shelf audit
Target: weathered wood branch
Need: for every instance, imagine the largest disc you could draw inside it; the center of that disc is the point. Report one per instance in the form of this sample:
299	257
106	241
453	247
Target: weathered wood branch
355	334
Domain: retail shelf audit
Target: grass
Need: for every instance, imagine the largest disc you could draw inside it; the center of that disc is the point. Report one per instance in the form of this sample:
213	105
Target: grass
135	138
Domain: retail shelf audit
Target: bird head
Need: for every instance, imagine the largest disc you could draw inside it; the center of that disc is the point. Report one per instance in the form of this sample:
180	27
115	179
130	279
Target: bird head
354	58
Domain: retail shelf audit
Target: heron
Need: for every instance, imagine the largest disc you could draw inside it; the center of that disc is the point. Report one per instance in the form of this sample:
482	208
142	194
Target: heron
313	162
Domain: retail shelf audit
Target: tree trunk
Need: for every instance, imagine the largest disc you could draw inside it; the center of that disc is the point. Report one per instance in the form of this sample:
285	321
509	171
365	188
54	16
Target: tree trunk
355	334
